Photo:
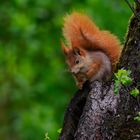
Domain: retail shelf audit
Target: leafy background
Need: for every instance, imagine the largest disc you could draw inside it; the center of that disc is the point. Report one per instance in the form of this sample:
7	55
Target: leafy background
35	86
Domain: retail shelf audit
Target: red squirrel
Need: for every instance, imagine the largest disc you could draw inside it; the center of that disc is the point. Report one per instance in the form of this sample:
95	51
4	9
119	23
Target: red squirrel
90	53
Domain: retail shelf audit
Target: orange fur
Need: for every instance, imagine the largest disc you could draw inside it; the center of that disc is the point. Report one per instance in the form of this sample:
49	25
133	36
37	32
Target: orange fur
91	53
80	31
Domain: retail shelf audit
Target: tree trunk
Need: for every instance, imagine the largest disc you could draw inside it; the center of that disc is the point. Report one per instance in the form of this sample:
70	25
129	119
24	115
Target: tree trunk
96	113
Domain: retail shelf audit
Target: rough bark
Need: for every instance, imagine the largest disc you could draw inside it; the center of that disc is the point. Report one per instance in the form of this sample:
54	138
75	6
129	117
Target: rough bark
96	113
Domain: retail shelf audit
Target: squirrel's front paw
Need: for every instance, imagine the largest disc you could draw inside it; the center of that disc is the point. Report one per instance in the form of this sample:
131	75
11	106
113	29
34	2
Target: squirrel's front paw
79	85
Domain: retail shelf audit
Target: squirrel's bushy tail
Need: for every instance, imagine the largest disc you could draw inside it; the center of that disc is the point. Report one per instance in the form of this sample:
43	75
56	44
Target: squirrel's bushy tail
80	31
76	26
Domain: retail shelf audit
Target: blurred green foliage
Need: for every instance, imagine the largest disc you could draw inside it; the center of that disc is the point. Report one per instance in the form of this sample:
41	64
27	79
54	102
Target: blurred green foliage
35	86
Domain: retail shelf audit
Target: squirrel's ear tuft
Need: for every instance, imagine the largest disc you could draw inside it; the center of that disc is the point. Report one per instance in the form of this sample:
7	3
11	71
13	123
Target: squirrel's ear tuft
79	51
64	49
76	50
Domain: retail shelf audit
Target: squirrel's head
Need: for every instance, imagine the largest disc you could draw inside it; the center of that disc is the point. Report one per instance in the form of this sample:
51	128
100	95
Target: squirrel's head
76	58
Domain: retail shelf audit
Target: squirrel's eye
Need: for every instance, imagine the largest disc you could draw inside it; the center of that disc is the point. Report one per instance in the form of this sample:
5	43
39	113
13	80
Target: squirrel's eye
77	61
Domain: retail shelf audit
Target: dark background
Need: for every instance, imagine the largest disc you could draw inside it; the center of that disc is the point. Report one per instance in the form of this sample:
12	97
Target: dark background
35	86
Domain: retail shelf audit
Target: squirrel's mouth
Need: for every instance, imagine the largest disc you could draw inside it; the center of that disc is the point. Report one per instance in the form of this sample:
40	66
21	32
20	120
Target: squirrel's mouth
78	70
75	70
